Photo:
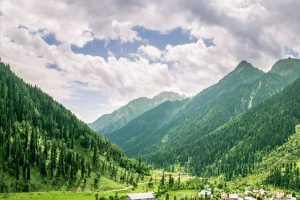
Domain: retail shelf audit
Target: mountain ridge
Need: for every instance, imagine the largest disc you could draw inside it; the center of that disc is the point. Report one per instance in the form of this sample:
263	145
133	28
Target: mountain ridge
201	115
107	123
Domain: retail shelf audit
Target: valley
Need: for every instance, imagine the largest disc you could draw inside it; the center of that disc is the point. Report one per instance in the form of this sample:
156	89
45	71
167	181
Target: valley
149	100
237	137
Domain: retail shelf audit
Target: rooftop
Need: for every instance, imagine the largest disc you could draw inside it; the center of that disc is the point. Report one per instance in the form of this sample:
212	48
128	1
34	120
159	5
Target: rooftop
147	195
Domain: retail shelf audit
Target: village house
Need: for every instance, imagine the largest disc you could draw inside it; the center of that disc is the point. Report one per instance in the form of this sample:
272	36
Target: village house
249	198
279	195
140	196
205	194
234	196
224	195
290	197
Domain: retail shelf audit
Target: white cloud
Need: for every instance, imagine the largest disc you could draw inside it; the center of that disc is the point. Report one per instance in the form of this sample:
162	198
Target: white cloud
255	30
124	32
150	52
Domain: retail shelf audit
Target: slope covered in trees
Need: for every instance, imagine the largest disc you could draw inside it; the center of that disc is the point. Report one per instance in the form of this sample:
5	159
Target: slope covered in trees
235	148
189	135
142	134
108	123
43	145
281	167
243	88
180	117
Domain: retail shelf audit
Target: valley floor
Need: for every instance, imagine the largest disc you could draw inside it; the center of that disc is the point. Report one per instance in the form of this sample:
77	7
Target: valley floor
189	189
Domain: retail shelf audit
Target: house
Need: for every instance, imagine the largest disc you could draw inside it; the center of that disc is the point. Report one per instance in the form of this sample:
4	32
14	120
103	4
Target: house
224	195
205	193
290	197
279	195
262	192
140	196
233	196
249	198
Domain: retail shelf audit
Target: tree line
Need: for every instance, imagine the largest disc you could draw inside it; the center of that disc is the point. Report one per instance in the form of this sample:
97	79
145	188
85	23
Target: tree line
37	134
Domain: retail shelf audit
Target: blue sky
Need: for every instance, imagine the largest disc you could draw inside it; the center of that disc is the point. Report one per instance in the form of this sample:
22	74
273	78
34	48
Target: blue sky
119	49
100	59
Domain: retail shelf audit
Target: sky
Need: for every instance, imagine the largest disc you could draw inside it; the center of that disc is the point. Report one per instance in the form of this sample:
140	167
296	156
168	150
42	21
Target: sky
94	56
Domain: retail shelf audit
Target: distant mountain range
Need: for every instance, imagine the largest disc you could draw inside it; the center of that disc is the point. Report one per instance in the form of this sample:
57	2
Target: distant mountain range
110	122
227	128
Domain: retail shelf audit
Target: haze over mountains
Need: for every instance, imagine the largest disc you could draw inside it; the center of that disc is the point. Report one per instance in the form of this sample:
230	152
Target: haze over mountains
225	129
232	129
110	122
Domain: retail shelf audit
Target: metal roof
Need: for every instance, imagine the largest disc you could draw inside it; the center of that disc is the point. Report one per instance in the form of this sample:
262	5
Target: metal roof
147	195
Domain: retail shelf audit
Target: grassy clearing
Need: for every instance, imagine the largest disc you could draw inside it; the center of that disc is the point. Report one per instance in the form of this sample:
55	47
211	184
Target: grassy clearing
107	188
50	196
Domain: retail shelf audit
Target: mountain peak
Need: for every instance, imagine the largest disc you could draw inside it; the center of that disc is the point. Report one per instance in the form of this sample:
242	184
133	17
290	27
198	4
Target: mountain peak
168	95
110	122
286	66
243	64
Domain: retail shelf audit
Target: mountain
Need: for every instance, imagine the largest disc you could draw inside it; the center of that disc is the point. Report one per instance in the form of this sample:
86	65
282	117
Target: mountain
206	155
152	128
178	138
287	67
44	146
110	122
243	73
141	135
234	148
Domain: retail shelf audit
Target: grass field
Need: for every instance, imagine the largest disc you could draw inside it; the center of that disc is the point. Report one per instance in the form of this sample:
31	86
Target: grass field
84	195
108	188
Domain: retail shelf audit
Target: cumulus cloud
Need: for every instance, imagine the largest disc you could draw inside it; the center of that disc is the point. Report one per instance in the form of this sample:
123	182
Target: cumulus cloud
255	30
150	52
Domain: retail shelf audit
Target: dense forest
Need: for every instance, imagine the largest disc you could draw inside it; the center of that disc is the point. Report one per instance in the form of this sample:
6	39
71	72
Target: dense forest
177	121
226	129
236	147
40	140
173	126
285	176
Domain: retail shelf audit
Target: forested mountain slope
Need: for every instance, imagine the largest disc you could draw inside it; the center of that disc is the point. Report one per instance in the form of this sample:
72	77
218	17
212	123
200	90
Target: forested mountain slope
279	168
43	145
183	115
182	135
142	134
235	148
283	164
221	110
110	122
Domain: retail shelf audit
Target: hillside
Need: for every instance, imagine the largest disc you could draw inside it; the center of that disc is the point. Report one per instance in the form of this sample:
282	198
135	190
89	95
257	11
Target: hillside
44	146
142	134
187	114
110	122
180	136
235	148
279	168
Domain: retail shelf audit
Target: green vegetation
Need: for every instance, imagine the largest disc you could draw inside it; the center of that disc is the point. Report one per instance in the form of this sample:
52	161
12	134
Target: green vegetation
226	130
110	122
44	146
171	133
235	134
178	121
